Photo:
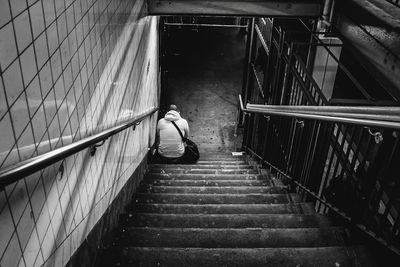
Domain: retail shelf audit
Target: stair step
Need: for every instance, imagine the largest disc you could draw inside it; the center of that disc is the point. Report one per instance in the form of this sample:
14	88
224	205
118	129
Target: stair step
220	155
231	162
297	208
225	211
204	171
169	167
229	220
190	176
206	257
227	158
216	198
231	238
214	189
208	182
223	158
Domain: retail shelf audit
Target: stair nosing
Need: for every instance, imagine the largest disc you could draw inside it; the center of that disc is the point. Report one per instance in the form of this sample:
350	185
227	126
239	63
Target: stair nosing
230	229
214	194
228	204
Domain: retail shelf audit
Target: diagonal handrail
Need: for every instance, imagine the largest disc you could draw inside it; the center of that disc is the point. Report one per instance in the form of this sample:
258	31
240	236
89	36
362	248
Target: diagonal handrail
16	172
383	117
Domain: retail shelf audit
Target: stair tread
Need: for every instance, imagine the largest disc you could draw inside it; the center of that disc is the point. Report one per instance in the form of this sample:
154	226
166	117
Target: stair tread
209	176
221	162
199	166
220	187
229	220
214	189
224	211
191	182
205	171
231	237
214	198
303	208
343	256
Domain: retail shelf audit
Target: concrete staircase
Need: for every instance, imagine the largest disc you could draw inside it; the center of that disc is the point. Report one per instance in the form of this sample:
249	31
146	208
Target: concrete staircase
225	211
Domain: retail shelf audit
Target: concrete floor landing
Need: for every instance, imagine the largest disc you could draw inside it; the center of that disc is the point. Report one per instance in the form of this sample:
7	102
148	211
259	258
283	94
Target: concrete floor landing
205	69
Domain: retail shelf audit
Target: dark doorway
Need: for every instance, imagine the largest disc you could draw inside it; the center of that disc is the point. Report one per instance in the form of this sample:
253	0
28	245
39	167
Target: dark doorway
202	67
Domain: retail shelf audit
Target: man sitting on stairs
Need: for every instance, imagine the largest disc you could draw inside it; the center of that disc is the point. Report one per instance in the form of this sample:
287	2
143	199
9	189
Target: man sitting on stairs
171	148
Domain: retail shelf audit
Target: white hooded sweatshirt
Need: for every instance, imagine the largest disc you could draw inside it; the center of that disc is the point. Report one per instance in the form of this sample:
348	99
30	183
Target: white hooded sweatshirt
171	145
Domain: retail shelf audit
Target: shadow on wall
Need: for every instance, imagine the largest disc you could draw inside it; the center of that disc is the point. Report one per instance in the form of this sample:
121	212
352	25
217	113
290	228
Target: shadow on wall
46	216
26	148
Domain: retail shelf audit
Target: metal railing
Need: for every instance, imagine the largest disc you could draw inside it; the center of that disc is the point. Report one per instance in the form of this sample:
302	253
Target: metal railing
16	172
344	159
385	117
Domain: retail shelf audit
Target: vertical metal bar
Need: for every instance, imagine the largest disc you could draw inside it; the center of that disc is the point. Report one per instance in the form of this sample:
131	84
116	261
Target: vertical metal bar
340	152
346	160
396	187
323	156
278	64
311	159
250	118
334	153
357	150
250	55
265	144
288	76
370	198
296	150
291	138
326	179
310	147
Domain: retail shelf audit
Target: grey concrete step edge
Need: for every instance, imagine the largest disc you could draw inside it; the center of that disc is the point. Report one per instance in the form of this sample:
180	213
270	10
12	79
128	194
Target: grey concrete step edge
167	182
228	220
145	186
229	156
167	176
342	256
231	237
223	159
220	162
222	155
216	198
213	189
292	208
206	175
203	171
290	196
200	166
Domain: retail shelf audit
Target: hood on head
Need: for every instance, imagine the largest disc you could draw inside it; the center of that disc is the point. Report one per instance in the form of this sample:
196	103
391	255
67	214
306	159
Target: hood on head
172	115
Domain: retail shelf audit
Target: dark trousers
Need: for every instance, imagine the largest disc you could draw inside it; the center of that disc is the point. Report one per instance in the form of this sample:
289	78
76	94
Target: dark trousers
157	158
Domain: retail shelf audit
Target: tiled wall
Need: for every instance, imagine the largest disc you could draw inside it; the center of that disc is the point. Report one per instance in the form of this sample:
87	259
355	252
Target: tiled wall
70	68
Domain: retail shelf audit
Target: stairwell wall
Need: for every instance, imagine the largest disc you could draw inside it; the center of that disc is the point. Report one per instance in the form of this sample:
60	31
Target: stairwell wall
70	68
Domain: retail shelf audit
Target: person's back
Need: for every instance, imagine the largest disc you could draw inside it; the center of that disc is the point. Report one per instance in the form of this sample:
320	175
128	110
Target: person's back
170	141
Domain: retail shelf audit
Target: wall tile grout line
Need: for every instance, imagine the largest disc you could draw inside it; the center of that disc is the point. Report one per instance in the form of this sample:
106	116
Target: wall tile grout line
73	72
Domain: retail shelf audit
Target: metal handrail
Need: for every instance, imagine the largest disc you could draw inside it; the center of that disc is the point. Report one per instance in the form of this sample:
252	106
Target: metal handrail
16	172
382	117
391	114
329	205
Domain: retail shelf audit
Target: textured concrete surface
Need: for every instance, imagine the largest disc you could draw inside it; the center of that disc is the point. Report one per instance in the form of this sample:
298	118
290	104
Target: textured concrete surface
304	208
205	77
225	225
235	257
